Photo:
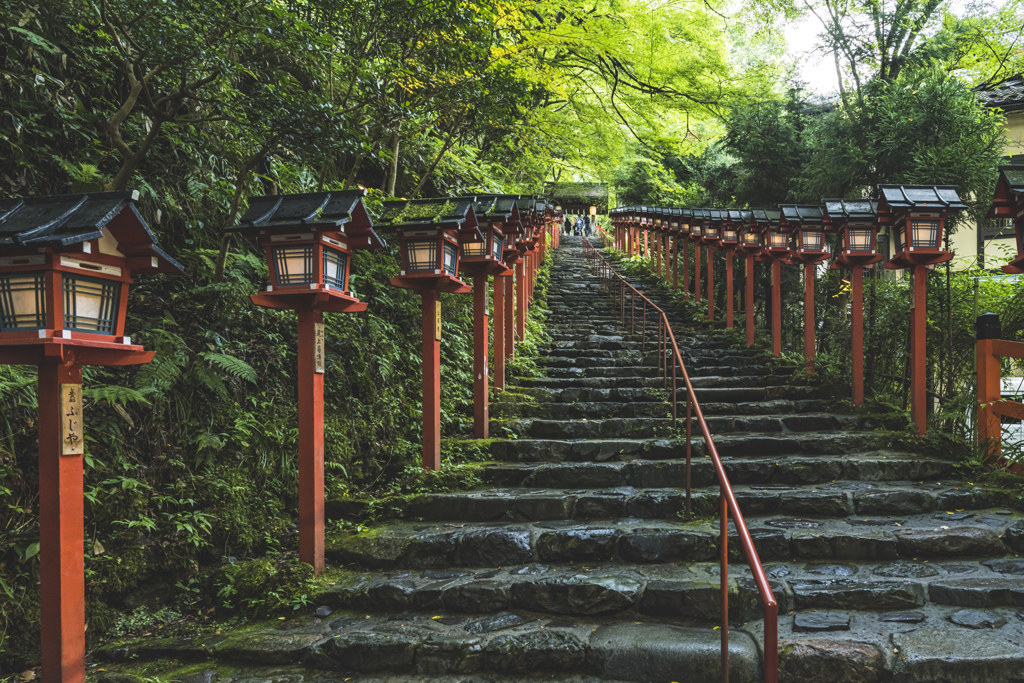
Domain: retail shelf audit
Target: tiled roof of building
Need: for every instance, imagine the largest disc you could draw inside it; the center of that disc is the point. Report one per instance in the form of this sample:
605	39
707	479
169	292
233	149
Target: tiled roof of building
1008	95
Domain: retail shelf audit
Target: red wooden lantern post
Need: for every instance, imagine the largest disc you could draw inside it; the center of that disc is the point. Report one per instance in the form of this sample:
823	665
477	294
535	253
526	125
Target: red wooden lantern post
309	240
807	245
429	231
674	227
917	215
656	238
856	224
499	216
711	235
66	264
685	229
749	246
1008	203
700	217
730	242
775	248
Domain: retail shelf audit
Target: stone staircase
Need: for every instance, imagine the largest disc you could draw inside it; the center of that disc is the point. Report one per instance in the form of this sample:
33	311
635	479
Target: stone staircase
574	561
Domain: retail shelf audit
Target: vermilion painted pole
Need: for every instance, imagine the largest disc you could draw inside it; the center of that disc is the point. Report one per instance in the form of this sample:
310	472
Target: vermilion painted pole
629	241
510	317
776	308
728	290
647	244
675	262
499	332
520	301
749	303
431	380
61	535
809	317
857	315
480	379
686	269
696	271
311	444
918	352
657	254
711	283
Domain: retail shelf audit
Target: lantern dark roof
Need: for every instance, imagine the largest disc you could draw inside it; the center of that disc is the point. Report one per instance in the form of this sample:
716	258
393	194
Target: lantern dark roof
70	219
452	212
1009	194
851	209
498	208
1014	176
766	216
701	214
717	214
1007	95
908	197
802	214
336	211
676	212
526	204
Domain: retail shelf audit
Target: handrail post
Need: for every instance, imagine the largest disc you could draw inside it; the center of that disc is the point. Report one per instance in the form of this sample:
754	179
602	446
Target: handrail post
689	451
989	429
771	643
643	331
724	576
675	398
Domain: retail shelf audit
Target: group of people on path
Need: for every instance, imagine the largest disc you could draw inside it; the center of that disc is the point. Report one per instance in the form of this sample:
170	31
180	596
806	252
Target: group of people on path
580	226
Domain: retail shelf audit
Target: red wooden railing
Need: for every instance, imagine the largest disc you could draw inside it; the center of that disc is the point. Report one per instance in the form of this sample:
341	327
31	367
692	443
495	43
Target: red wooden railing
728	502
991	405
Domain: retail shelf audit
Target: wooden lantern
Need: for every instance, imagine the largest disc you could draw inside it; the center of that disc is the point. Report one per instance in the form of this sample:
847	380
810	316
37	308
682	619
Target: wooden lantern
1008	204
805	224
309	240
917	215
775	248
855	222
429	232
480	259
66	265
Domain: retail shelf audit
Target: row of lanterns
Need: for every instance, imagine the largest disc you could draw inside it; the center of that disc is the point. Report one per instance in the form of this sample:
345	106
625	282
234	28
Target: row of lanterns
66	266
797	234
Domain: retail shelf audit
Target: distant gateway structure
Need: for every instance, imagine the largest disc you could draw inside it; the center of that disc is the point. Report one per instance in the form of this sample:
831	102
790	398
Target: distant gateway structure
578	198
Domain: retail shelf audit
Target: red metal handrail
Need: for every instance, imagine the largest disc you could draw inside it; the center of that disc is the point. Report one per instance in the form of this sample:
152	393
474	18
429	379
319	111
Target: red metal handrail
728	498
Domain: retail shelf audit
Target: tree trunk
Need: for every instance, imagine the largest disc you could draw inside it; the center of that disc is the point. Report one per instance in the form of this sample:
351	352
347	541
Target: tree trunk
236	201
393	173
352	174
433	165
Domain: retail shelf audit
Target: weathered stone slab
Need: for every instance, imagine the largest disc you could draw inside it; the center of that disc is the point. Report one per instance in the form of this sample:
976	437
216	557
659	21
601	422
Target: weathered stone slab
830	661
662	652
954	542
820	622
930	655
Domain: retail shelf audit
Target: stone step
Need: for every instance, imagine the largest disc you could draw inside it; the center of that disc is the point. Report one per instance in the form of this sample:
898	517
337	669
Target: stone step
595	499
715	388
878	466
692	592
647	408
728	445
513	645
641	541
562	426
